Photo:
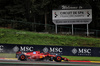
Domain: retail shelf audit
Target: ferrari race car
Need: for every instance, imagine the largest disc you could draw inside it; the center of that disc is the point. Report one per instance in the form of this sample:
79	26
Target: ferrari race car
40	56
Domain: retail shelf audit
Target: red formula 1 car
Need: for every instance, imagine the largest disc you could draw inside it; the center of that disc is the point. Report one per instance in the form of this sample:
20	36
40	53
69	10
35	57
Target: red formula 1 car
37	55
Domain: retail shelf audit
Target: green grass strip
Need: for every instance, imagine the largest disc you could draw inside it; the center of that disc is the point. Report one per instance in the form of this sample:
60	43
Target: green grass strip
84	58
12	36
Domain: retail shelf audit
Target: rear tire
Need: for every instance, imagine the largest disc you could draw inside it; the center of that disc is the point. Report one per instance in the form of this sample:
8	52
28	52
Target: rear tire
22	57
58	58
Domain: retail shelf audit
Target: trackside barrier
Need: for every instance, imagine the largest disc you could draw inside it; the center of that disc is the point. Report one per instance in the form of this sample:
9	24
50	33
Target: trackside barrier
61	50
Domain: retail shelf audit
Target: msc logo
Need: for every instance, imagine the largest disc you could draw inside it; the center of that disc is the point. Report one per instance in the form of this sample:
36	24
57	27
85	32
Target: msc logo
53	49
74	51
16	48
56	49
26	48
45	50
81	51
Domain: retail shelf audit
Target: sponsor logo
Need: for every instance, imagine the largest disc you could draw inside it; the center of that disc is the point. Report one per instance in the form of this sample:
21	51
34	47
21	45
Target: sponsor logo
16	48
53	50
56	49
74	51
26	48
1	48
84	50
81	51
45	50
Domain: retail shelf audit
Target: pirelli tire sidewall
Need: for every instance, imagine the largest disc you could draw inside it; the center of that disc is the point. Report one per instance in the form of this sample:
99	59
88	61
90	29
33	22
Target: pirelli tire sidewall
22	57
58	58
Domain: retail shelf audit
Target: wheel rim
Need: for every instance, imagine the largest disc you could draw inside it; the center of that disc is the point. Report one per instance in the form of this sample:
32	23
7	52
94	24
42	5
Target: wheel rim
58	58
22	57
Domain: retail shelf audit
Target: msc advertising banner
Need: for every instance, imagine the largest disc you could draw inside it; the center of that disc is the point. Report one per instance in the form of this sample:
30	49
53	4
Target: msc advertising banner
61	50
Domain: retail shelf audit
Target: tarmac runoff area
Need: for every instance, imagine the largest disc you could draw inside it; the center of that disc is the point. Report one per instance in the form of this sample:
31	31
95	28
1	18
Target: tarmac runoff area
15	62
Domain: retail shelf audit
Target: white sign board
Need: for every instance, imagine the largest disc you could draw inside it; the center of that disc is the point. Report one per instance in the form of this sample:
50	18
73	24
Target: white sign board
62	17
72	14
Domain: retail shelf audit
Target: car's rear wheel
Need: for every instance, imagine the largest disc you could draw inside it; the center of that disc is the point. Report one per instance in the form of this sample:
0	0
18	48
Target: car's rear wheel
58	58
22	57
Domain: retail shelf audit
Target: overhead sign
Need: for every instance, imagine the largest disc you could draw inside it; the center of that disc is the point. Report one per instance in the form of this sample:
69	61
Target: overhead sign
72	15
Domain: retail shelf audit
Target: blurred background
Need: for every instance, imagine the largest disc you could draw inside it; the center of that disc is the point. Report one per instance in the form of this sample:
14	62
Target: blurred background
36	16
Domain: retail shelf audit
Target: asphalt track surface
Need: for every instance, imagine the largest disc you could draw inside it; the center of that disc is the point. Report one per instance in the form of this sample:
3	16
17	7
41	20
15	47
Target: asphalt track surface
44	63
